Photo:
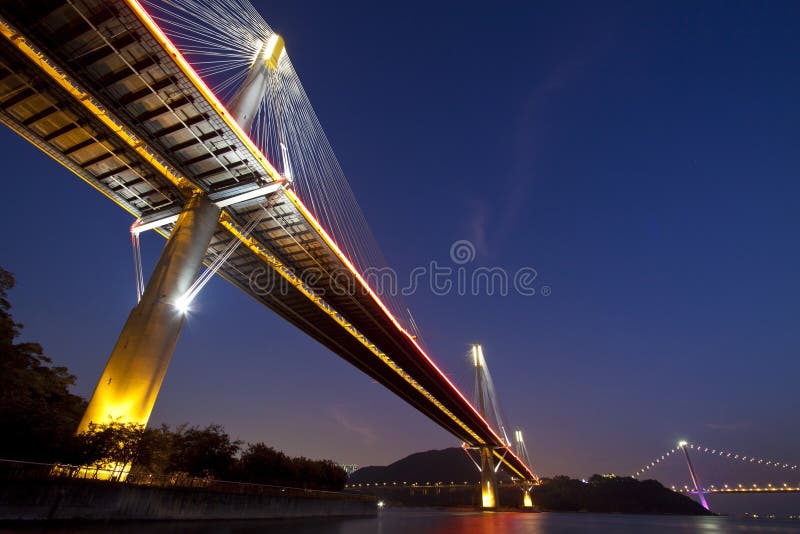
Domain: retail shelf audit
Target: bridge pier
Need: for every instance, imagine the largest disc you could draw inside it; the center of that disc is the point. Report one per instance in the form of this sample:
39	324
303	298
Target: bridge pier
130	382
527	501
488	479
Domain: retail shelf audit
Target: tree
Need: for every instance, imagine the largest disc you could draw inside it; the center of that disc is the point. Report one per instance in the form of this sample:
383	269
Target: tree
264	465
207	452
38	413
154	451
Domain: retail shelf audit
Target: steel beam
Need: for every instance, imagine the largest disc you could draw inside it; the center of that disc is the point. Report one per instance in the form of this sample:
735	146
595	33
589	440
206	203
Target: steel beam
249	195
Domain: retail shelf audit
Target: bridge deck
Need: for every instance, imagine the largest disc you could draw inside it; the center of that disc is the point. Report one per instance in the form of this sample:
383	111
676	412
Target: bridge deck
746	489
96	87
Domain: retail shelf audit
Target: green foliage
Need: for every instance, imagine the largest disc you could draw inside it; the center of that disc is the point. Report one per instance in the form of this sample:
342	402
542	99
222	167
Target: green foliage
203	452
117	443
38	413
154	451
262	464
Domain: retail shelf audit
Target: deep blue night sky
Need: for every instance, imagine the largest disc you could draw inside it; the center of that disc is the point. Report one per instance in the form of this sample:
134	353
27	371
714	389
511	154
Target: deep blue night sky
643	157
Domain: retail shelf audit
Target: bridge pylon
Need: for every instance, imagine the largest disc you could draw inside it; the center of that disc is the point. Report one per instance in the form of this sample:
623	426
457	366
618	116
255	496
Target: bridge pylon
130	382
698	488
522	452
245	103
133	375
488	470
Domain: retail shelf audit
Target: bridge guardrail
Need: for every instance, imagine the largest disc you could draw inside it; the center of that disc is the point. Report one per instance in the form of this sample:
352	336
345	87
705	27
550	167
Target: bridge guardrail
21	470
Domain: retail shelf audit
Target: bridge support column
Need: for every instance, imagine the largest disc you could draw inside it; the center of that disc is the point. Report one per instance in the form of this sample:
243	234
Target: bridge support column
527	501
488	479
132	378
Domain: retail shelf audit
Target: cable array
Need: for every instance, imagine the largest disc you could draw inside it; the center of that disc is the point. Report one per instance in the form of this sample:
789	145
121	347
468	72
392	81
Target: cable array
222	39
520	448
657	460
744	458
720	453
485	394
486	402
218	262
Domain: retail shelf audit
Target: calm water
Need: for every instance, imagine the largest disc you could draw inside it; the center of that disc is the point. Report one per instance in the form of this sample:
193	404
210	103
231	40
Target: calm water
420	521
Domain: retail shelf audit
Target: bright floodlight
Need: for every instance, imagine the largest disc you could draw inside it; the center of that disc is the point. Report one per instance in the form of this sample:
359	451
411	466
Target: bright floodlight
682	443
182	305
381	504
272	50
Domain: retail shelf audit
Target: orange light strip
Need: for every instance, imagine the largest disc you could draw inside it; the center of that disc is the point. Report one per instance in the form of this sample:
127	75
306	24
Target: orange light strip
84	97
332	244
184	65
260	251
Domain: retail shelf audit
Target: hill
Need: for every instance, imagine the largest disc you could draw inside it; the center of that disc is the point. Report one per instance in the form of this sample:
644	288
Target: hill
447	465
600	494
615	495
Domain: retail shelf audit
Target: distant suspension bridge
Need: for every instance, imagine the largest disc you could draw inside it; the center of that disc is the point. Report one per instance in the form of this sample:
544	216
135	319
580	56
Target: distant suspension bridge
700	490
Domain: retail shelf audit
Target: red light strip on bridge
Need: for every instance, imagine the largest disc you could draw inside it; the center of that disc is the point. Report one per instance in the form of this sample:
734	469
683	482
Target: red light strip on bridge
186	67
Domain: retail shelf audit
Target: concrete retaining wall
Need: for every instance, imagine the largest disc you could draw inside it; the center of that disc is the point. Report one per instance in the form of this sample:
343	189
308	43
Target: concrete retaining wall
38	500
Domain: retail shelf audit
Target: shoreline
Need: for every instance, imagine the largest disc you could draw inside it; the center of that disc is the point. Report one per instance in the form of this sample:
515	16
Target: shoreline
92	501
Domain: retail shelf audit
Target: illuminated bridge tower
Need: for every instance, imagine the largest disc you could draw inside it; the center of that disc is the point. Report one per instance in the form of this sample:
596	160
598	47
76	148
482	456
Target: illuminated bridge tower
488	473
522	452
131	380
245	103
695	480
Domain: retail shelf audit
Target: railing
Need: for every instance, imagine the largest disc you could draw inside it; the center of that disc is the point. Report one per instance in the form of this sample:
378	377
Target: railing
17	470
427	485
742	488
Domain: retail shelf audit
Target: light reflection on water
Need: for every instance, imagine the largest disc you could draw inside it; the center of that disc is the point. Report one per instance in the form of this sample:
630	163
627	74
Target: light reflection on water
426	521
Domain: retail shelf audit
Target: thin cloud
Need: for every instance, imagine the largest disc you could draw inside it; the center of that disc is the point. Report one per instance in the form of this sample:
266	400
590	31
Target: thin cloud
367	434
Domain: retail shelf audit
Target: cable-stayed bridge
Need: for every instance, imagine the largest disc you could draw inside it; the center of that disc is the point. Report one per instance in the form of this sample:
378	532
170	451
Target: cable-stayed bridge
190	116
698	486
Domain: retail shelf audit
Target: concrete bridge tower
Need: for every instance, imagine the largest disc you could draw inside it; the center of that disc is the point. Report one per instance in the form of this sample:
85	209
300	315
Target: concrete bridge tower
132	378
488	473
